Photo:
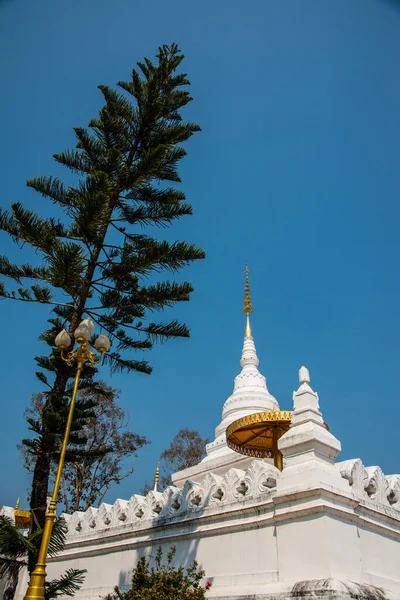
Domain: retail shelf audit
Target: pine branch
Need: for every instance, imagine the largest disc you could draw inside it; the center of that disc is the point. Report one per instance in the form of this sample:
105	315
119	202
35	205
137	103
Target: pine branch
67	585
23	271
120	365
36	231
157	213
154	297
126	342
167	330
23	298
75	161
148	256
42	377
52	188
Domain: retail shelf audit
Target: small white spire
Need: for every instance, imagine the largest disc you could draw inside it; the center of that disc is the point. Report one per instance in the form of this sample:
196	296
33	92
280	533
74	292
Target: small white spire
305	400
304	375
308	448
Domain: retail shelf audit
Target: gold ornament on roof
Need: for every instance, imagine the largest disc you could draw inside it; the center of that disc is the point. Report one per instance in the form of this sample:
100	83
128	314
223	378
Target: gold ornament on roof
156	477
248	307
22	517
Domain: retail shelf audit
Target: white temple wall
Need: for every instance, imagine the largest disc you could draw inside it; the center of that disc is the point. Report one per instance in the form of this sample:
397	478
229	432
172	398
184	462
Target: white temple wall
258	545
245	554
380	558
251	539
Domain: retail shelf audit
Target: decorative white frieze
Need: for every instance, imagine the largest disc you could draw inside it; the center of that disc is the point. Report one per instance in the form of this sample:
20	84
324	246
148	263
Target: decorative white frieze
377	487
258	482
121	510
356	474
89	520
233	486
138	508
260	478
105	515
212	485
370	483
394	490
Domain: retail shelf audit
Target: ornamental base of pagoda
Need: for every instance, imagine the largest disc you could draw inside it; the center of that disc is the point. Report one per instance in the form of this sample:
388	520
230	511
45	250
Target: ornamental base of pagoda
316	589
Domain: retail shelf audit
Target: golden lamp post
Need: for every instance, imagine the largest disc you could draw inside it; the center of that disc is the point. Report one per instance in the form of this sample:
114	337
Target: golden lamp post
83	354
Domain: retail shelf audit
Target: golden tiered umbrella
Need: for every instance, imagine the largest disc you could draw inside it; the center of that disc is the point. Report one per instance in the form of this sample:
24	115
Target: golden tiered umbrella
257	435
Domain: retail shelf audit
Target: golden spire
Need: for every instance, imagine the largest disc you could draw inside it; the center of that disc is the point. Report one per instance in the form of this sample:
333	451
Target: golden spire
156	477
248	308
17	505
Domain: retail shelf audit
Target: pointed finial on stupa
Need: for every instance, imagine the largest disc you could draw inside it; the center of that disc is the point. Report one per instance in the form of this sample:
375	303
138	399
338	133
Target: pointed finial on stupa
156	478
17	505
247	308
304	375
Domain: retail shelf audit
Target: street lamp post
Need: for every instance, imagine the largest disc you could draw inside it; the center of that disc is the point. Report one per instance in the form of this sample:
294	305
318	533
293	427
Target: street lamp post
82	355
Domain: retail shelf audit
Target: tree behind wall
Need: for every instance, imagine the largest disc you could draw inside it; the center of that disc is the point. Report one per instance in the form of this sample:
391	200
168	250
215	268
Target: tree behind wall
103	457
96	258
186	450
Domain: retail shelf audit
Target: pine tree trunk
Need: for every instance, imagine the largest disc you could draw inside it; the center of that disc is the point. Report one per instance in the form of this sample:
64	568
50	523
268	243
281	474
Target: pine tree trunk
40	484
41	473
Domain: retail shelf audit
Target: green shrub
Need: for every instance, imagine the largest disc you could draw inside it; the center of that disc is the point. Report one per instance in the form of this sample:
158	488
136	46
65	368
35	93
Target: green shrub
163	581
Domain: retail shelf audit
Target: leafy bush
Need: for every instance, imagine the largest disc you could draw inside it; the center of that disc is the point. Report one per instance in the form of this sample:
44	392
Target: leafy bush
163	581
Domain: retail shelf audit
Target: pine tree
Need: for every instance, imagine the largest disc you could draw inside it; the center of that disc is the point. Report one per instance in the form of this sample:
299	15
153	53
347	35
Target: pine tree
98	450
96	257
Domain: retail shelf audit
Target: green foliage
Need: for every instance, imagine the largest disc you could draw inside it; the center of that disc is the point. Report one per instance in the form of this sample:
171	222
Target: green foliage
46	419
163	581
67	585
96	456
14	547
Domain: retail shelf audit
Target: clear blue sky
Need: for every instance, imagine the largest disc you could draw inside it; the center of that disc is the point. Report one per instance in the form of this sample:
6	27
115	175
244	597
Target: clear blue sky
296	172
